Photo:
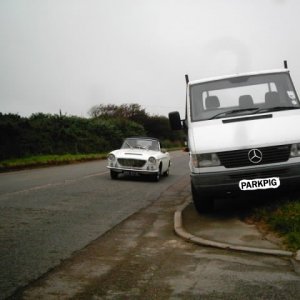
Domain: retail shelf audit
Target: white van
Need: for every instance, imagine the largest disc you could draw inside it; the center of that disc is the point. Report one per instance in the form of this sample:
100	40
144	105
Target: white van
243	134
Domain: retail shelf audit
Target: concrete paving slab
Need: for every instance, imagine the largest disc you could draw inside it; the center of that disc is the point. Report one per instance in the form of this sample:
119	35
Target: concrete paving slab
224	227
223	230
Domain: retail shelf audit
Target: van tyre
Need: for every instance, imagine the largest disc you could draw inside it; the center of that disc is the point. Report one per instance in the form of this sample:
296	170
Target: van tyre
203	202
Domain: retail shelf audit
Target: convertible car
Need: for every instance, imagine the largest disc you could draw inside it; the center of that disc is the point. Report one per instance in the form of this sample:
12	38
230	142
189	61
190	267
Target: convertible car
139	156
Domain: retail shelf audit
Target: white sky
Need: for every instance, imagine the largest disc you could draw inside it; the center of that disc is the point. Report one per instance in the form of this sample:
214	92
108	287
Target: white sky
73	54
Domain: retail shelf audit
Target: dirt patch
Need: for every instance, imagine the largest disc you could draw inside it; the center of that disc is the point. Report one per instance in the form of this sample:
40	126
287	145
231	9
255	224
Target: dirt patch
266	232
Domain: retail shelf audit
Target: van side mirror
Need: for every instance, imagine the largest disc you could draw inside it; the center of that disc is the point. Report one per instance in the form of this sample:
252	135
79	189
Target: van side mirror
175	121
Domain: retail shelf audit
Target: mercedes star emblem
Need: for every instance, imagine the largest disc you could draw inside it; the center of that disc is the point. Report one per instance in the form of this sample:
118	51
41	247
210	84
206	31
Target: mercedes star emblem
255	156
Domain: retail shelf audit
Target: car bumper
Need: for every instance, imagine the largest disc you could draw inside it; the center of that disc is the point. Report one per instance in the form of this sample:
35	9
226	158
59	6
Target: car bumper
228	181
133	170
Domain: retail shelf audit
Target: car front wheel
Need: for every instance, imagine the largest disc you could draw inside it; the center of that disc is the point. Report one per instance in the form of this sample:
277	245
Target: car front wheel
166	173
156	176
113	174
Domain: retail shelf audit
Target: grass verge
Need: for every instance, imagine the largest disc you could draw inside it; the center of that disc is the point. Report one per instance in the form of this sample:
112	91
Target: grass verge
48	160
283	217
45	160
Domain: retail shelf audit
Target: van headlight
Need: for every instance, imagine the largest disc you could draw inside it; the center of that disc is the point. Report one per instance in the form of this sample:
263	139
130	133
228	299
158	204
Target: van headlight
295	150
205	160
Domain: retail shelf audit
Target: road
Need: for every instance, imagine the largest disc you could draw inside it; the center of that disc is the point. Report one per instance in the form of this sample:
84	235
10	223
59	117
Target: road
47	214
142	258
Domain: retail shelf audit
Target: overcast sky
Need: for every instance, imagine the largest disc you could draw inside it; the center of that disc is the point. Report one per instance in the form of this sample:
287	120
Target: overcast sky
70	55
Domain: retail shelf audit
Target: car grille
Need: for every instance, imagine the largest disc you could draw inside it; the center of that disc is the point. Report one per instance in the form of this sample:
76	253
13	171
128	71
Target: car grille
239	158
134	163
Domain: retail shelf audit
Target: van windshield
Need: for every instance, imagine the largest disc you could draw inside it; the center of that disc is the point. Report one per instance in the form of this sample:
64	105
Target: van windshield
242	95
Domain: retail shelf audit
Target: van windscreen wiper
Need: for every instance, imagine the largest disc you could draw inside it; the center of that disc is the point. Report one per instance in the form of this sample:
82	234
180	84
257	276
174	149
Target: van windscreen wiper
234	111
276	108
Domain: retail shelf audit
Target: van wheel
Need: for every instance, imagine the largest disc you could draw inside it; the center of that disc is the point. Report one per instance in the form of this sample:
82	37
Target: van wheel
203	202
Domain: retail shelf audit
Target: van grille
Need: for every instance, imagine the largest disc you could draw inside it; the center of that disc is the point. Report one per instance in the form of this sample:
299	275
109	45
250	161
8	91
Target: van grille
262	174
239	158
134	163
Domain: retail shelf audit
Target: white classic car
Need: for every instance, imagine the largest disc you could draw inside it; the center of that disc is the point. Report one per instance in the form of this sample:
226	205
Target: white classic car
139	156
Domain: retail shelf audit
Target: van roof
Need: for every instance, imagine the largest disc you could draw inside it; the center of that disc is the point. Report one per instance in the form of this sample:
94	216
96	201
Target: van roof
238	75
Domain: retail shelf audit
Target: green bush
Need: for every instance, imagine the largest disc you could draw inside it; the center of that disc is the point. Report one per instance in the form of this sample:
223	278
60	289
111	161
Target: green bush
43	134
284	218
42	160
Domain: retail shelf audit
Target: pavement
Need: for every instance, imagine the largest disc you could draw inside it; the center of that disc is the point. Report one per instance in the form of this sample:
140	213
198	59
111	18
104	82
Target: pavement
225	230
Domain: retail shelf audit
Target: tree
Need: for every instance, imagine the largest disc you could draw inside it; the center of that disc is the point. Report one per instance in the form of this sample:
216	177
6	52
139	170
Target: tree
59	134
109	110
155	126
132	111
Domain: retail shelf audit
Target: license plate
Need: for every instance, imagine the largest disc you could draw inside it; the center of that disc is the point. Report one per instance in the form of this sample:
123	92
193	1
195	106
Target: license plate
131	173
259	184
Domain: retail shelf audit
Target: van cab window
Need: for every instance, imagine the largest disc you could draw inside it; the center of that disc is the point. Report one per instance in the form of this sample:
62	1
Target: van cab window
242	95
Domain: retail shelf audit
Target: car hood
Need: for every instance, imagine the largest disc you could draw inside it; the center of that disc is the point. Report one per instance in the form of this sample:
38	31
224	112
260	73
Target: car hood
134	153
244	132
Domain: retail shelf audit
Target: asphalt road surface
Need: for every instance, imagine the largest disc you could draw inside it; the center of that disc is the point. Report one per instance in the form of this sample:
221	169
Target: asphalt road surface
47	214
142	258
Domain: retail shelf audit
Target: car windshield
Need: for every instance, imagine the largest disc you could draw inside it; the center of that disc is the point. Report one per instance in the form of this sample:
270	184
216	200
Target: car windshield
141	143
242	95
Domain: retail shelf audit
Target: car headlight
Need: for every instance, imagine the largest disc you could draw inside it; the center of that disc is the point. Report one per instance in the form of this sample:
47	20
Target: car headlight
111	157
205	160
295	150
152	160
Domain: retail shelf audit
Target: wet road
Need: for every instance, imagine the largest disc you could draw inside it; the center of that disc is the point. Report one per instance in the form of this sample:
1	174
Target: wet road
48	214
143	258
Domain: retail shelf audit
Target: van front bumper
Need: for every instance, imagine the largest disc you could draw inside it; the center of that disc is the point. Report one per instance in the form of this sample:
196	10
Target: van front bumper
228	181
